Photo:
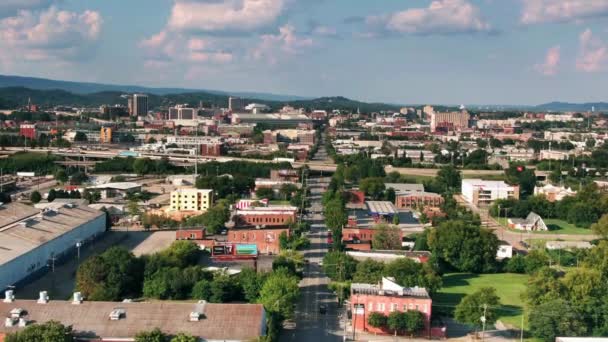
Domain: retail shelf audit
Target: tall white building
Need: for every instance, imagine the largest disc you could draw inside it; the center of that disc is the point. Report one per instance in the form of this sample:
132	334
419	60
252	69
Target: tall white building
481	192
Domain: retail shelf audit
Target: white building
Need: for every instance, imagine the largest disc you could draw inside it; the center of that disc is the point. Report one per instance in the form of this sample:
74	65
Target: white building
31	240
553	155
504	251
554	193
191	199
481	192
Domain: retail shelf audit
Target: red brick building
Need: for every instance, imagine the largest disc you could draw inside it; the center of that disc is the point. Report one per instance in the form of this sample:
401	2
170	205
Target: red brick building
214	150
277	216
285	175
385	298
360	238
28	131
190	234
267	239
418	200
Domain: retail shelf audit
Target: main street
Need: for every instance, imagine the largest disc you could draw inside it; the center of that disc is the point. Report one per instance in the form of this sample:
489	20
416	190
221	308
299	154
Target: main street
311	324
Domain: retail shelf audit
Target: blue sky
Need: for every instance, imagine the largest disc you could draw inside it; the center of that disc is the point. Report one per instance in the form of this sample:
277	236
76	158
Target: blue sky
399	51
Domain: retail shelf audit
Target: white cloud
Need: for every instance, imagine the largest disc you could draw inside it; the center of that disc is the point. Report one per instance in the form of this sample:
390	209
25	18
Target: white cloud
166	47
545	11
286	41
593	54
441	17
224	15
9	8
549	66
50	34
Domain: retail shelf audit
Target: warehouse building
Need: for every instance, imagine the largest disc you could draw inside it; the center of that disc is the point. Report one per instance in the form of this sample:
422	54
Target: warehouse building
121	321
30	239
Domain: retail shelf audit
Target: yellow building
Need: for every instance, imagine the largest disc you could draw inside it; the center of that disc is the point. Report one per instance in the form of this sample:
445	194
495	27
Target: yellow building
105	136
191	199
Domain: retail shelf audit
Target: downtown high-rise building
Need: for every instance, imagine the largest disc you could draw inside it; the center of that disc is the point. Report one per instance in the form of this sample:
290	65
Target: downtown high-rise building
139	105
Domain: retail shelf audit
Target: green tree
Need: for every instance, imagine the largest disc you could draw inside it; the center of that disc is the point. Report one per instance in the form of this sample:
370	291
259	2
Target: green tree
339	266
555	318
61	176
472	307
449	178
397	321
410	273
51	195
373	187
223	289
466	247
51	331
78	178
264	193
181	337
35	197
80	136
251	282
377	320
601	227
414	321
280	293
133	208
519	175
396	220
111	276
368	271
144	166
335	214
201	290
155	335
536	260
386	238
544	286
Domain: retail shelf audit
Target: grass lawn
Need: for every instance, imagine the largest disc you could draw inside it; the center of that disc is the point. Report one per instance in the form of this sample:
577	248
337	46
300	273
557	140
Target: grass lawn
509	288
555	227
278	202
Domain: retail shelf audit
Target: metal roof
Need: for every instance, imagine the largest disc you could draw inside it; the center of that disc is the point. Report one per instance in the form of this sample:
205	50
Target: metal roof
381	207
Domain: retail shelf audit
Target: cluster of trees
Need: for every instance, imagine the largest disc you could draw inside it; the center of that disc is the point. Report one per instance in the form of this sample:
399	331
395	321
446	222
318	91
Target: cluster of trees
296	240
141	166
41	163
582	210
214	219
51	331
341	267
175	274
410	322
463	246
571	303
156	335
227	186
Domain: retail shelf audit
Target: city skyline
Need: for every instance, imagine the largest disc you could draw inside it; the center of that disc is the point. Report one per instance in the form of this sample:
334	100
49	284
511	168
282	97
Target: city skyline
445	51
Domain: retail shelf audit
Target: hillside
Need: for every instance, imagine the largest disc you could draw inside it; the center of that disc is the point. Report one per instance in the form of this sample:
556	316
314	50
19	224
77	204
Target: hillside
12	97
88	88
572	107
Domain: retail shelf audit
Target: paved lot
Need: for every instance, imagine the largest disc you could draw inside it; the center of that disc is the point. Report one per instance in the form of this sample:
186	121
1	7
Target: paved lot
60	283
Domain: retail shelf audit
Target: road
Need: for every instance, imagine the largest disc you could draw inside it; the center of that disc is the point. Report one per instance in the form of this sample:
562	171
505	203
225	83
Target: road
311	325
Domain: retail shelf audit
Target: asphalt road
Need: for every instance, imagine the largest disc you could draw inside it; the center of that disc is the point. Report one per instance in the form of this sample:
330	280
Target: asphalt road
312	325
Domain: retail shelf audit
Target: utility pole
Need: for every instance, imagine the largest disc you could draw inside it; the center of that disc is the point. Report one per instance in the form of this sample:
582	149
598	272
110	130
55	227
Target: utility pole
483	321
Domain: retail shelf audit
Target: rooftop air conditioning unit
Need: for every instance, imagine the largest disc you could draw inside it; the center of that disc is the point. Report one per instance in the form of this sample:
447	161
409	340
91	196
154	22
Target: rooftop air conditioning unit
117	314
195	316
77	298
9	322
22	322
43	298
16	313
9	296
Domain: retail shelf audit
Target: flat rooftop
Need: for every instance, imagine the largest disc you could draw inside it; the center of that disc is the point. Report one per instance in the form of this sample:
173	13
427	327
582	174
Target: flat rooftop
381	207
405	187
220	322
24	228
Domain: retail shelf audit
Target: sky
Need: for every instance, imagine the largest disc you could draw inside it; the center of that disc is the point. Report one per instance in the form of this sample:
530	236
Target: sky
395	51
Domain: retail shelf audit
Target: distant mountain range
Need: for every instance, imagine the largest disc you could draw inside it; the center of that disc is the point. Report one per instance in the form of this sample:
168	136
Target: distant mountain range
88	88
572	107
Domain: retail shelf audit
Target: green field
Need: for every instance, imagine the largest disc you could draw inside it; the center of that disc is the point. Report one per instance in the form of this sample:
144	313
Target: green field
555	227
509	288
486	177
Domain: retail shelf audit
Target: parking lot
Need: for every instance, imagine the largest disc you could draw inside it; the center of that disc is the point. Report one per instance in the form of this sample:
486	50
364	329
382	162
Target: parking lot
60	283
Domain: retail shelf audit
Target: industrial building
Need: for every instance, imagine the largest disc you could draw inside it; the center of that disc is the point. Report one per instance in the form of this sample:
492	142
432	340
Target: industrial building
272	119
31	239
121	321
